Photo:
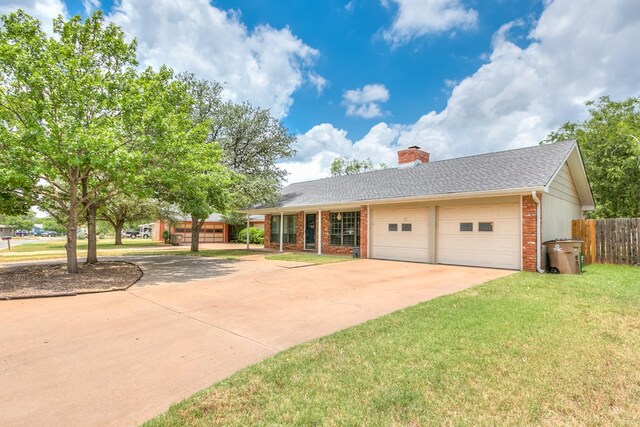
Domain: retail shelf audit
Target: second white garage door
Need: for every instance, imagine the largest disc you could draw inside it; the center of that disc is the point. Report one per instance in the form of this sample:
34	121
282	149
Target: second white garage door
485	236
400	233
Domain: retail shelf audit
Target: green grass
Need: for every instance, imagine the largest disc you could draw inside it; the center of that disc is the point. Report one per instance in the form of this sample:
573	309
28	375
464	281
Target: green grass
212	253
310	258
526	349
58	245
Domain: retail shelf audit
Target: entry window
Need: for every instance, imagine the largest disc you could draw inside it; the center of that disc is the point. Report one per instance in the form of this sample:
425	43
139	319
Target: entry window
393	227
485	226
289	230
466	226
406	227
345	228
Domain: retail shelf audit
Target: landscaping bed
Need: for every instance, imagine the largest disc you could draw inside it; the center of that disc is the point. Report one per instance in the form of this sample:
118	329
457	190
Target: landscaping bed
44	280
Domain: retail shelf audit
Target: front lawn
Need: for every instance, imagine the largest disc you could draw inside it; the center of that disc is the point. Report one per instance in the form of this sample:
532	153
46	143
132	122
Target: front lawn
211	253
524	349
310	258
58	245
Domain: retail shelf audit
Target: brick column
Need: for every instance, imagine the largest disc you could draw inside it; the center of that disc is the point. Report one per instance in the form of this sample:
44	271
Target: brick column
267	230
364	225
529	232
300	231
326	232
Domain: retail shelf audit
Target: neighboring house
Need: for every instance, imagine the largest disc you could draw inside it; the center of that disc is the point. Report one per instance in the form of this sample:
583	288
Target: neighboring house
214	229
7	230
481	210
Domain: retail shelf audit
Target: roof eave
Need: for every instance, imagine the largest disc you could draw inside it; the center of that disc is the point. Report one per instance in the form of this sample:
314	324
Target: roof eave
424	198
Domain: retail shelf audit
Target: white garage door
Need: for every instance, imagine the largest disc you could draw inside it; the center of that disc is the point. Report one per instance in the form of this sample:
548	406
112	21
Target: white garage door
485	236
400	233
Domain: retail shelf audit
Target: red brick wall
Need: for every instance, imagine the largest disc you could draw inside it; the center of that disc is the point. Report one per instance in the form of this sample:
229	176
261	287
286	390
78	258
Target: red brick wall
412	154
364	221
298	246
267	231
529	232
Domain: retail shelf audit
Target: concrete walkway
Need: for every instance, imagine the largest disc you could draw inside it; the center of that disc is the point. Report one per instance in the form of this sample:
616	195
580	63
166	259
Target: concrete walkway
120	358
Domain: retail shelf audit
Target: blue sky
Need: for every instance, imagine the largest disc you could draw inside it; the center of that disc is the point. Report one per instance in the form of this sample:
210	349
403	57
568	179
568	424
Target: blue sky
363	78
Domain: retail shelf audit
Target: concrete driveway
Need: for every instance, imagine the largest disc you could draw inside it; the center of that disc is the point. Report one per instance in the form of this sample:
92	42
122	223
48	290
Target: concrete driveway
120	358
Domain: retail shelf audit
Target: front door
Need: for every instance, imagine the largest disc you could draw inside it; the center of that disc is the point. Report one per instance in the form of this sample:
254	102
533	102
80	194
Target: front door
310	231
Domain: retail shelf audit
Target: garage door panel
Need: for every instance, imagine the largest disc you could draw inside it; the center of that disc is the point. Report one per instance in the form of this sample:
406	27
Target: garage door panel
400	245
499	248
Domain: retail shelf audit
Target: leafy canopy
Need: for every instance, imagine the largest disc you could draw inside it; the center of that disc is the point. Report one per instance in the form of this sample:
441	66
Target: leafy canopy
348	166
609	140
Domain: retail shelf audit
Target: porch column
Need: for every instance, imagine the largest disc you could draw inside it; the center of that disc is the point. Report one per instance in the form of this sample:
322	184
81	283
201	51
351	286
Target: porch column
319	228
281	231
247	231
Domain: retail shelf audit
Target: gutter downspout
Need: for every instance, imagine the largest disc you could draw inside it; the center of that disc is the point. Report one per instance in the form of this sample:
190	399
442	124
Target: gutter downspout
534	195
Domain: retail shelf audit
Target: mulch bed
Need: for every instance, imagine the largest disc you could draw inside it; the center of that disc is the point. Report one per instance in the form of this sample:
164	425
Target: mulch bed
44	280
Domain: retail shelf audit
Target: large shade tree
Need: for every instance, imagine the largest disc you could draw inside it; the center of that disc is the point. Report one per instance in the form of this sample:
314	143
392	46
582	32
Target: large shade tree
253	142
65	115
609	141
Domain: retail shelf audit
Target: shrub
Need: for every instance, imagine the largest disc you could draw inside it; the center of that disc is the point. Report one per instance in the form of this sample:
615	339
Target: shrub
256	235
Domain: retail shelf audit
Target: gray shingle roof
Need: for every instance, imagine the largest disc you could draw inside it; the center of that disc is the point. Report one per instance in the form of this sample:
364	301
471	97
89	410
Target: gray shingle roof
530	167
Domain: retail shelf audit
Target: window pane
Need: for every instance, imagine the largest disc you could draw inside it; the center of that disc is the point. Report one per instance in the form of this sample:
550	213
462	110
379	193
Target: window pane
466	226
335	226
393	227
275	229
485	226
406	227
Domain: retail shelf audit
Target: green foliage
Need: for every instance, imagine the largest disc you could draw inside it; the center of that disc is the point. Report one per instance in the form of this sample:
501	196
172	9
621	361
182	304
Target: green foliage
20	222
52	224
609	141
252	143
256	235
66	114
166	236
348	166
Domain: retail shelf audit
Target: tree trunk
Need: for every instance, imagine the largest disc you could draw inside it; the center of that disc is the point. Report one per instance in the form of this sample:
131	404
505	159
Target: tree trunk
118	227
72	229
195	234
92	244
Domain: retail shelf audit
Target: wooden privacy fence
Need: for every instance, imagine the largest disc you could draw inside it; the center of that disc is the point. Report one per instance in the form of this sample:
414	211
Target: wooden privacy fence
610	241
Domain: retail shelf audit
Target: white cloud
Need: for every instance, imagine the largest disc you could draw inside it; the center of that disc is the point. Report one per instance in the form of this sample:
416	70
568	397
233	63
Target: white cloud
264	65
44	10
91	5
318	81
365	102
578	50
416	18
317	148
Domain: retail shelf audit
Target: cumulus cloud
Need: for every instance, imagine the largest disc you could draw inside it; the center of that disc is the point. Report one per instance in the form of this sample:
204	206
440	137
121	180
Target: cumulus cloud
416	18
318	81
44	10
578	50
365	102
318	147
264	66
91	5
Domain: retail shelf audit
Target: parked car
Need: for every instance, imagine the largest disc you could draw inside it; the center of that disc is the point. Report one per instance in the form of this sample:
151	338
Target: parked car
132	234
49	234
22	233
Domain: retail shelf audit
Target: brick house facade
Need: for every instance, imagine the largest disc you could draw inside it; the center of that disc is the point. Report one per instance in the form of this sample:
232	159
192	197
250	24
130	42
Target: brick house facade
468	211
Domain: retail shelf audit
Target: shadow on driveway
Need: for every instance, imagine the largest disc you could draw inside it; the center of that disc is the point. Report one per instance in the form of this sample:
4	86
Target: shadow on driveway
163	269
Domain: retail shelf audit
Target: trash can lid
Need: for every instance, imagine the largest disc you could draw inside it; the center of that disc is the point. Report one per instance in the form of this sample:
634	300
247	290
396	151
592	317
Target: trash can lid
563	241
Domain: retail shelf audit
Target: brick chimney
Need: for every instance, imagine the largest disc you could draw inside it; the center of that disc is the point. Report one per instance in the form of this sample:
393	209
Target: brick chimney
412	156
